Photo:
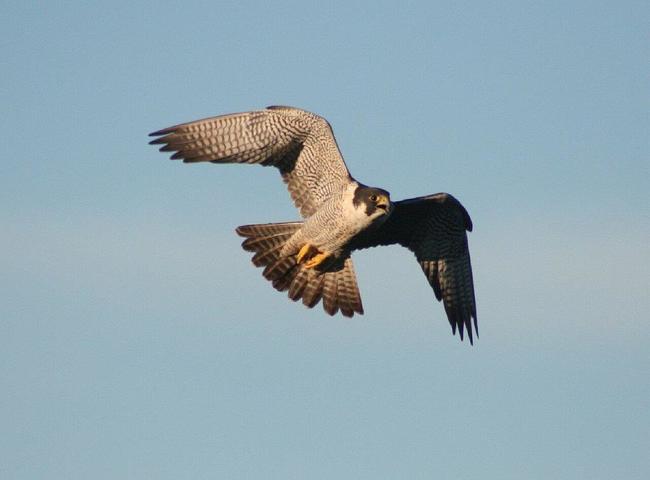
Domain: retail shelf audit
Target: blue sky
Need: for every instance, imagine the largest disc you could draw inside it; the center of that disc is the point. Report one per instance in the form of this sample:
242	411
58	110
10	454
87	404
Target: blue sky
137	340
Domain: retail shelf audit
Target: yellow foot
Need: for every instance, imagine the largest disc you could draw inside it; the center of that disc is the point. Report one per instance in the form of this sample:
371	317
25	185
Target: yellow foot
307	251
316	260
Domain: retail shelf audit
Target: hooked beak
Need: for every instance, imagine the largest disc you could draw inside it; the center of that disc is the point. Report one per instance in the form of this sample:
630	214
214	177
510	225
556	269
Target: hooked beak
383	203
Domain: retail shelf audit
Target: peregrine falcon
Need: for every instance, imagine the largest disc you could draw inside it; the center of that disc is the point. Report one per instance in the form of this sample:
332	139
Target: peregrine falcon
311	258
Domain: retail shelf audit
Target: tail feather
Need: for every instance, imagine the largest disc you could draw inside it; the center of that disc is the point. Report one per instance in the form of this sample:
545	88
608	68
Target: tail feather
259	243
313	291
268	229
348	292
267	240
298	284
264	257
281	272
335	284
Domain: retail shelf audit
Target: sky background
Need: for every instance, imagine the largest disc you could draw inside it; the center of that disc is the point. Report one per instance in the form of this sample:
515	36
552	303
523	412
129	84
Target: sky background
138	341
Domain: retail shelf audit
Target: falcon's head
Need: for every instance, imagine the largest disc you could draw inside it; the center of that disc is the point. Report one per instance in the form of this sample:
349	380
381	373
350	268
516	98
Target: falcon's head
375	200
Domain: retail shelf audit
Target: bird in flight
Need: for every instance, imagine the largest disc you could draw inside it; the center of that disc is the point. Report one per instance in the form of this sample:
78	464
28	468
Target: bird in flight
310	258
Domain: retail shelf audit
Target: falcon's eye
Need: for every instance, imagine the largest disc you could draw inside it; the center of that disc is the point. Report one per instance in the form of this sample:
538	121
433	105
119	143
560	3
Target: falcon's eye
373	198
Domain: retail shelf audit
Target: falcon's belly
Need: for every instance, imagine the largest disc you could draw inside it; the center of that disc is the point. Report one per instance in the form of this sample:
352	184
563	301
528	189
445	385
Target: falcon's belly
333	225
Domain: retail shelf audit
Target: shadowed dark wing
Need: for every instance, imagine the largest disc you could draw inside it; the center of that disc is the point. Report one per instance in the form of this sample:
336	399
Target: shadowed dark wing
299	143
434	228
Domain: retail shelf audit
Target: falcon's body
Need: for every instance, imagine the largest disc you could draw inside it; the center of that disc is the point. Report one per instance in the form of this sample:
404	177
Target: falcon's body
336	222
311	258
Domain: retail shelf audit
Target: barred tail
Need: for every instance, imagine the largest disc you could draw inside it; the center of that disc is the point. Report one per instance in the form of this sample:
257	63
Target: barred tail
336	285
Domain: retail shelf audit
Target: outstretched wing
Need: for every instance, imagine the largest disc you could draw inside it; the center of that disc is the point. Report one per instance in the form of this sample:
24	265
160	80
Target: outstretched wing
299	143
434	228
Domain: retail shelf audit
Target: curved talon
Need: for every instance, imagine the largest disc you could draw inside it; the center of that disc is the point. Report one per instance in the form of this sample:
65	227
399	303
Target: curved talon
306	252
311	256
316	260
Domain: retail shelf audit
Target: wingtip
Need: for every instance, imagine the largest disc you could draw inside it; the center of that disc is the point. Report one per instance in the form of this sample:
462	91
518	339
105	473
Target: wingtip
463	326
156	141
470	336
475	325
472	333
243	231
163	131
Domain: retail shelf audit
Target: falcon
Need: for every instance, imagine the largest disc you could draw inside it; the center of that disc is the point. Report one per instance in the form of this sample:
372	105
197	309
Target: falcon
311	258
